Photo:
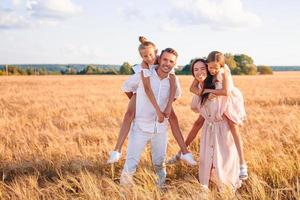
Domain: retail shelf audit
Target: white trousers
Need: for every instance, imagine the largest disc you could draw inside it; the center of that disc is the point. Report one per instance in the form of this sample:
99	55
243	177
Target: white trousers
136	144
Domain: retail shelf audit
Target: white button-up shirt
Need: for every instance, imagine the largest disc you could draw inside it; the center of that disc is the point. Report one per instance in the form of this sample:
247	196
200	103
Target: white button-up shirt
145	116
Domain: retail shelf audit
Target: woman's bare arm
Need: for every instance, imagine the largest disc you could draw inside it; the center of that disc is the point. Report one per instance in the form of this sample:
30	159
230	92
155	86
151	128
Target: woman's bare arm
195	88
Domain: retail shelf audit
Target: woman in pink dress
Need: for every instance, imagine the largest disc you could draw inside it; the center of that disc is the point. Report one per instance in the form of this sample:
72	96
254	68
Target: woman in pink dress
218	153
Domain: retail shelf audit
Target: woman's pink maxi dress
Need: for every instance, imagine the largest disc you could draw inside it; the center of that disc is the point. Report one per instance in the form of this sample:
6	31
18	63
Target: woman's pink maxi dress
217	147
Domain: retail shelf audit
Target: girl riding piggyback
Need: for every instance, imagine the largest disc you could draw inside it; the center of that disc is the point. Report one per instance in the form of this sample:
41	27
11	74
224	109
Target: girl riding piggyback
234	109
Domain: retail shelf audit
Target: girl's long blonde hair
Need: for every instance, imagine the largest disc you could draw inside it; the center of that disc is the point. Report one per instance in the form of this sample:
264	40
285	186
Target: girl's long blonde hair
215	56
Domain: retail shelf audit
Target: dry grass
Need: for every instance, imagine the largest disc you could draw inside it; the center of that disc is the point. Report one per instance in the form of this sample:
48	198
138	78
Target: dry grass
56	132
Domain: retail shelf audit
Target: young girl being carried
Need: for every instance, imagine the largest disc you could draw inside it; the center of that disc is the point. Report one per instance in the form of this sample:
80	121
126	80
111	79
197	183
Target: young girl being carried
235	110
148	52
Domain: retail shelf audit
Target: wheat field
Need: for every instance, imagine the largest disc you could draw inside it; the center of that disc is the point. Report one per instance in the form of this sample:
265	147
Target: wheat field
56	132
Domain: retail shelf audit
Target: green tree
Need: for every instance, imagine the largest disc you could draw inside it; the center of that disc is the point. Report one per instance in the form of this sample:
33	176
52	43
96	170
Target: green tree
21	71
13	70
90	69
229	60
43	71
250	69
245	64
236	71
187	68
263	69
125	68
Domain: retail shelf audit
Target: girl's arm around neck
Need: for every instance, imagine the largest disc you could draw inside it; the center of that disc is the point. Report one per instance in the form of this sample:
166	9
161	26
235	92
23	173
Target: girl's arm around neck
225	87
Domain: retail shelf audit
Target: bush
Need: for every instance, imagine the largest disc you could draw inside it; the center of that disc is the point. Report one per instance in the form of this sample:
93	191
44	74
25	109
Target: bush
251	69
263	69
126	69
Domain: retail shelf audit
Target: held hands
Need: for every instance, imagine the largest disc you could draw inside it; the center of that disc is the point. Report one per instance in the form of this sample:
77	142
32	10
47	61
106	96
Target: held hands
160	116
167	111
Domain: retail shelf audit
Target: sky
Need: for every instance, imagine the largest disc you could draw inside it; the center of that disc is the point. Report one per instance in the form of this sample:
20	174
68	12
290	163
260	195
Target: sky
106	32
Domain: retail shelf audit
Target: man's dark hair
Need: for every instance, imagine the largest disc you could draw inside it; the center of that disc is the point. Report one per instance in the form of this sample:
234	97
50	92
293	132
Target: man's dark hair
169	50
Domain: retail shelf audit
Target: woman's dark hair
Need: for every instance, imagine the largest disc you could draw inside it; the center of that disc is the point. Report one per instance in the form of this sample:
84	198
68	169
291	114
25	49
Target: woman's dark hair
208	84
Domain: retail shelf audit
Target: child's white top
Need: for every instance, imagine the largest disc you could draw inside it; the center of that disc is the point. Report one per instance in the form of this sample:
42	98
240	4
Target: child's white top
219	77
147	72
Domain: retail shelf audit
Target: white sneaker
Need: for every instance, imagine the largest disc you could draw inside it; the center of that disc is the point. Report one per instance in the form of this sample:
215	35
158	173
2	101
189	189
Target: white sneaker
188	158
114	156
243	172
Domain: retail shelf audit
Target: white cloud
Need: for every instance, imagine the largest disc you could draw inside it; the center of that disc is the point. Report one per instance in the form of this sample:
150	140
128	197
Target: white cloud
36	13
12	20
218	14
130	10
58	9
16	2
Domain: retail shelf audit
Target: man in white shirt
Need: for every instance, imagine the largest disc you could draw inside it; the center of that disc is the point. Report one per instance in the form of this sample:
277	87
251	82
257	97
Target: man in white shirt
145	126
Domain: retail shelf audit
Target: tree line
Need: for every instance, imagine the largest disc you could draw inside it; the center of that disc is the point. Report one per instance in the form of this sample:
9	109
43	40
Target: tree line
239	64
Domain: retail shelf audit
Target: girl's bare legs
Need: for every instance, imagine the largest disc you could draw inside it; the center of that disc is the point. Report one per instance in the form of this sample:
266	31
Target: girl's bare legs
234	129
176	132
191	136
168	108
187	156
237	140
194	131
125	127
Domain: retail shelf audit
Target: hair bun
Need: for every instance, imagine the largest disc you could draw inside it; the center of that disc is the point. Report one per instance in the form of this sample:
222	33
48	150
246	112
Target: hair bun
142	39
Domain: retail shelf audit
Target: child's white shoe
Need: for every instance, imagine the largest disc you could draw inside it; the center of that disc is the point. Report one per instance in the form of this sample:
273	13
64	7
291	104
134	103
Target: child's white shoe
243	172
114	156
188	158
